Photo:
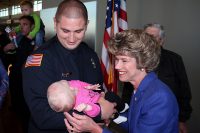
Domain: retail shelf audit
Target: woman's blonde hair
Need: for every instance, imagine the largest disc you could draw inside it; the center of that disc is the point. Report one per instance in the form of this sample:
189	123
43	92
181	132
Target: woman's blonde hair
138	44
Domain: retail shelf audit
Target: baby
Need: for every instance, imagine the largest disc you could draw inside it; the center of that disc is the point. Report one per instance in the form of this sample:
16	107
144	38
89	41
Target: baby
67	95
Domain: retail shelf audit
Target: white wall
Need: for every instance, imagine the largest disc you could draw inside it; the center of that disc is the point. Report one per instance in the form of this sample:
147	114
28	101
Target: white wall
182	23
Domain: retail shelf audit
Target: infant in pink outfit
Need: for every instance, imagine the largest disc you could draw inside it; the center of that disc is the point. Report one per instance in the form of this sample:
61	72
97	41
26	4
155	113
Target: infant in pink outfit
66	95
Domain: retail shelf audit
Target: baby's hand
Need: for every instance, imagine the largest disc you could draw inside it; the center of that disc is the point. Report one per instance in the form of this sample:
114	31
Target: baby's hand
93	87
83	107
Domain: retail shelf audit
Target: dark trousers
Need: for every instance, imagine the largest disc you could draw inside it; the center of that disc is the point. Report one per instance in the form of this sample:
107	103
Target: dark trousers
17	99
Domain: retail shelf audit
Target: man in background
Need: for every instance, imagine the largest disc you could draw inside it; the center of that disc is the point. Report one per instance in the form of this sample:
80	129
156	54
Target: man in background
23	50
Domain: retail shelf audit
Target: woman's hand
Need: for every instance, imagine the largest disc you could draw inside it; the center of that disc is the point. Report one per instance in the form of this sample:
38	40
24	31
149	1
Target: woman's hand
81	123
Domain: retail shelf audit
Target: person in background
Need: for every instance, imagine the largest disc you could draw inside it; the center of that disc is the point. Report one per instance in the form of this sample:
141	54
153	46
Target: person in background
153	107
4	83
171	71
4	40
23	50
26	25
38	32
9	56
64	57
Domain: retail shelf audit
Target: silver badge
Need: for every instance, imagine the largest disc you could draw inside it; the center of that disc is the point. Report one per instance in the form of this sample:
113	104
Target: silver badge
93	63
67	74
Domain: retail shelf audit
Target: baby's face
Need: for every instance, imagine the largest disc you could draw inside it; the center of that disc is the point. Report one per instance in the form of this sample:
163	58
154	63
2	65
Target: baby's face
26	10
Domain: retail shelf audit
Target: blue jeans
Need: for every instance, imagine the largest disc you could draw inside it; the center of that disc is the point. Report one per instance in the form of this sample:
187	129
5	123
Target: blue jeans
39	38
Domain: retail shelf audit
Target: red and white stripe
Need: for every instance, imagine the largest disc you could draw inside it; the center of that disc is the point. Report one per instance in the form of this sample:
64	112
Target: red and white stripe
119	23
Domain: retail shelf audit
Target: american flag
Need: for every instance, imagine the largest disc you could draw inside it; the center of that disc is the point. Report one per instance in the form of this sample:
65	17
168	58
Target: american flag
116	21
34	60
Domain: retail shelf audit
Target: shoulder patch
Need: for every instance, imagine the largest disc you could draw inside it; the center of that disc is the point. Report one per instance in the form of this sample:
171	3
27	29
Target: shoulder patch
34	60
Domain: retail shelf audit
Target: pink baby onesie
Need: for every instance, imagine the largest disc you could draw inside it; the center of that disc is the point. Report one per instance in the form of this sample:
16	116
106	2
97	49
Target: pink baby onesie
86	96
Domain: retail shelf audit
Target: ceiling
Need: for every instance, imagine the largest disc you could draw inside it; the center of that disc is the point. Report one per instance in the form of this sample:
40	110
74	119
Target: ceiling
7	3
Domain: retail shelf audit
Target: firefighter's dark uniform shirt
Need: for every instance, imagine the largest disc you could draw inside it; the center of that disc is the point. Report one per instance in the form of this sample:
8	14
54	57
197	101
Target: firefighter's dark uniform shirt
57	63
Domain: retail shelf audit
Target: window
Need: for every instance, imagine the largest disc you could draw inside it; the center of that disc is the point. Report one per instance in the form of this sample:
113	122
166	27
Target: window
3	12
37	5
16	10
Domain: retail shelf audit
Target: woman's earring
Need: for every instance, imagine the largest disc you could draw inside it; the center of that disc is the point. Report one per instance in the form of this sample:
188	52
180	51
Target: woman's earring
142	69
